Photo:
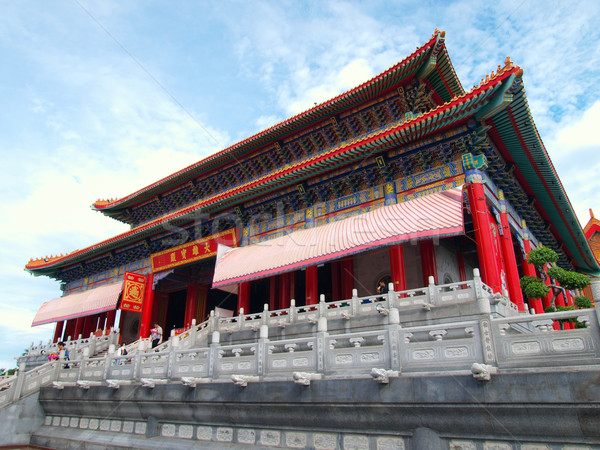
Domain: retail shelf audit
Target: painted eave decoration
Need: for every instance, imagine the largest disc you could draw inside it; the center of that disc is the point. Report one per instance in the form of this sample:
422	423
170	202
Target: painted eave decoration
498	102
430	61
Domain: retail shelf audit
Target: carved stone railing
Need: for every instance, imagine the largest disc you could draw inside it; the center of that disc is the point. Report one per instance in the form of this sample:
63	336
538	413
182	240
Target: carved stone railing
543	346
37	355
373	340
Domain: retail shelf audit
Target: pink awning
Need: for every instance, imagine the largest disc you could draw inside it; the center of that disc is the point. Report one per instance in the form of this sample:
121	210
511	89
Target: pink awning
434	215
92	301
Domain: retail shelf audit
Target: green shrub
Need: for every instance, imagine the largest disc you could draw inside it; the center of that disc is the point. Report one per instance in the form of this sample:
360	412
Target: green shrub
541	256
583	302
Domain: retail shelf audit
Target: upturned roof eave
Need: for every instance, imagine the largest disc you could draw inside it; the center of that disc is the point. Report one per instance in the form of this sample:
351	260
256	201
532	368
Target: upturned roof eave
331	107
371	140
539	176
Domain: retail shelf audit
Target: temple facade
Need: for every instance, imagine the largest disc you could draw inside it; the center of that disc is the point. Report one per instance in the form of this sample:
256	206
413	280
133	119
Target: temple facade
406	178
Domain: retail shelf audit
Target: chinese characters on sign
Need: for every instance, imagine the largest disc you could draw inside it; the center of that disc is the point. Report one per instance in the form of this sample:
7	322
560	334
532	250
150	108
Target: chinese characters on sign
192	251
133	292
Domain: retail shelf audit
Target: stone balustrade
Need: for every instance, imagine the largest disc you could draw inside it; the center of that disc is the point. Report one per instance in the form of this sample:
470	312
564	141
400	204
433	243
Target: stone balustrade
37	355
395	334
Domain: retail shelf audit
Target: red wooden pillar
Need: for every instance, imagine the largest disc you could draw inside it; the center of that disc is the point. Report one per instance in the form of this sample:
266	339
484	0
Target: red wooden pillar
284	291
335	281
110	319
462	273
58	331
244	297
202	312
428	262
484	237
397	267
347	277
529	270
89	325
146	308
510	260
547	300
569	298
78	327
312	285
191	304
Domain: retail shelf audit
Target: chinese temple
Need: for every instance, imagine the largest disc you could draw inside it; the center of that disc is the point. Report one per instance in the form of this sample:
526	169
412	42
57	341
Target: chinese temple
404	177
348	278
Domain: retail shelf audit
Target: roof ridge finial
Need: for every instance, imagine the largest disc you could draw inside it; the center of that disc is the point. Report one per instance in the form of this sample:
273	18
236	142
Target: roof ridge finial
508	64
591	214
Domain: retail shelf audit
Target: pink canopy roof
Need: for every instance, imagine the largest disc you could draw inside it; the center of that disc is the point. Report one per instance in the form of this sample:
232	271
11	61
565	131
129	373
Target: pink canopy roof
92	301
434	215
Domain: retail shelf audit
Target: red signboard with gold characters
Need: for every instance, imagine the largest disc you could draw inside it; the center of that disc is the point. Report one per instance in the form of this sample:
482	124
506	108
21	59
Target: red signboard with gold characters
192	251
133	292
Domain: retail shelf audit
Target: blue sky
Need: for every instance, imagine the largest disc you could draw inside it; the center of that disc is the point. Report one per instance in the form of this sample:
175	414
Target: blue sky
101	98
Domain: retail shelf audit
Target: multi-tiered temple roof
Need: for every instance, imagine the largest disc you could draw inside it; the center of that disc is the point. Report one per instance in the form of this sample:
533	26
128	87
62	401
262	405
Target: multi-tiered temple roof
406	114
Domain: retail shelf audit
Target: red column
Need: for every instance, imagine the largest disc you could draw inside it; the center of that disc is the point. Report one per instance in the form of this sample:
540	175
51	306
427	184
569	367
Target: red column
490	270
462	273
244	297
202	312
79	327
89	325
397	267
147	308
110	319
191	304
335	281
547	300
428	261
312	285
273	303
347	277
569	298
284	291
529	270
58	331
510	260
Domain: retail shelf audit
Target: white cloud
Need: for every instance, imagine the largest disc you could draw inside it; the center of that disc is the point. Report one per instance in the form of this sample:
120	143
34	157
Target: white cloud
574	151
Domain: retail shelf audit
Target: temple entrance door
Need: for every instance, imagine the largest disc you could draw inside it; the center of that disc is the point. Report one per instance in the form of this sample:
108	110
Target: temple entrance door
325	281
175	312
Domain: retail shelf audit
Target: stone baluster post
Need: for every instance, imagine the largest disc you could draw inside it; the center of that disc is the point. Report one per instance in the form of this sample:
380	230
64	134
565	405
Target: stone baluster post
321	336
265	314
173	348
137	360
19	383
213	353
211	322
483	301
293	311
241	319
262	349
85	354
354	302
432	291
391	296
393	328
93	344
193	331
